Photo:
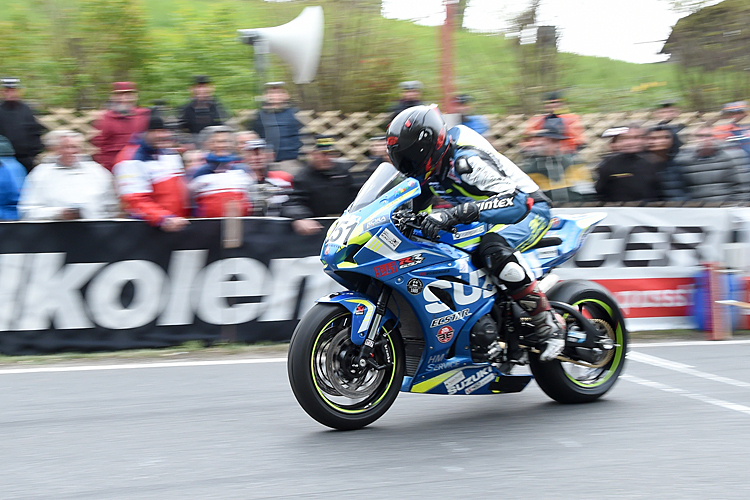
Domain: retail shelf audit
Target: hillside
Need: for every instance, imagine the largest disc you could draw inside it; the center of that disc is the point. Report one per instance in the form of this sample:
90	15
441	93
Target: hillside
65	59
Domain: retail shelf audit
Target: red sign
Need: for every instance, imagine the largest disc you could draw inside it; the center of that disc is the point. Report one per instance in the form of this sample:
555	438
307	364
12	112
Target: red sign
445	334
652	297
385	269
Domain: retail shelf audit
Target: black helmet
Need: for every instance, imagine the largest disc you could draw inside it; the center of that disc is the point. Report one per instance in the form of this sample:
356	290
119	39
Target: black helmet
417	141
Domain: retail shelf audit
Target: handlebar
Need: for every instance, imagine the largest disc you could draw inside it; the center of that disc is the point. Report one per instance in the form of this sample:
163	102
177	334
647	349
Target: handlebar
407	222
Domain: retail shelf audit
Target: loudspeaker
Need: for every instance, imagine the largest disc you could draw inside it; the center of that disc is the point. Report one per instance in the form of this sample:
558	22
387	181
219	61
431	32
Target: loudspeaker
298	42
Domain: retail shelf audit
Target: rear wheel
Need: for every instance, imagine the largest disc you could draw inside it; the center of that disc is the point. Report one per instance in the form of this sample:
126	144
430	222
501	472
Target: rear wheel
325	378
568	382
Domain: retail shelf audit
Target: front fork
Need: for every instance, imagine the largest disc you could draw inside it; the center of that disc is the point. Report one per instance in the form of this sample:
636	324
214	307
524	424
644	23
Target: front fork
368	346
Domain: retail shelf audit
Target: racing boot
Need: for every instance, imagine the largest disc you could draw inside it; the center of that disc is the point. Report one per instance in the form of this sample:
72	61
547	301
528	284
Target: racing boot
508	265
548	329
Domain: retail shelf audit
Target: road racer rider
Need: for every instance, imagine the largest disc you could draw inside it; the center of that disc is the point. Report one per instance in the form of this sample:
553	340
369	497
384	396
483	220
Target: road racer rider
464	169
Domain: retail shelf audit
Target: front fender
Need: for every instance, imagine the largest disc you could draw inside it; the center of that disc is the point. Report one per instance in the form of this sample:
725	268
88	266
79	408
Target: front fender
362	308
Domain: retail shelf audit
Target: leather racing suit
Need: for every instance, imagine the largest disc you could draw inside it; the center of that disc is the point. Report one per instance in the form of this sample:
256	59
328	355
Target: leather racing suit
486	186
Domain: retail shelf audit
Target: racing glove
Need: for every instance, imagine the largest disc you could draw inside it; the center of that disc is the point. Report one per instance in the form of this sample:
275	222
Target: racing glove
446	219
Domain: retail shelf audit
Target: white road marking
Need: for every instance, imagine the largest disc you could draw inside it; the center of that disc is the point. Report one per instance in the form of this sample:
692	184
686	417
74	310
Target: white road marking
133	366
682	368
640	345
656	361
692	395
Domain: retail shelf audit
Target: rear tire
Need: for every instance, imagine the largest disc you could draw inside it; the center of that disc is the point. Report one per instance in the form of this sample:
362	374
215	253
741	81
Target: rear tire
319	353
569	383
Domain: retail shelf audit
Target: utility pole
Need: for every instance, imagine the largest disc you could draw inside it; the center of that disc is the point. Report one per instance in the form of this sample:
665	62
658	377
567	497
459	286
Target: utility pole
446	62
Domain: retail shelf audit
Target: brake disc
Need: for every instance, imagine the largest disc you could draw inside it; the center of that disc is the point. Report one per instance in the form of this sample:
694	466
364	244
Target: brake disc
358	383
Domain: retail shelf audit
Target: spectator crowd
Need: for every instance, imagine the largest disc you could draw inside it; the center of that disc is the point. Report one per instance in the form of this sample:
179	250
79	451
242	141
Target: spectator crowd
661	162
165	169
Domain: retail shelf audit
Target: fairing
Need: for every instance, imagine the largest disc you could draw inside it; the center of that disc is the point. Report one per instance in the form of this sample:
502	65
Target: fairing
446	293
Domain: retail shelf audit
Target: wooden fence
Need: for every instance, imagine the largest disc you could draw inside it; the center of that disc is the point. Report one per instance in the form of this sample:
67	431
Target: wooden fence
353	130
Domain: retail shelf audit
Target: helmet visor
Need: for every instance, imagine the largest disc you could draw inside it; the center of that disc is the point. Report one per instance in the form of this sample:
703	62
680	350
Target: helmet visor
412	160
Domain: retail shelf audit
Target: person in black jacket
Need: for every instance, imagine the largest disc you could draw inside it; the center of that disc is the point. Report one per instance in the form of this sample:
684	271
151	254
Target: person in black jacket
411	95
666	113
628	175
712	171
663	145
204	110
322	188
18	124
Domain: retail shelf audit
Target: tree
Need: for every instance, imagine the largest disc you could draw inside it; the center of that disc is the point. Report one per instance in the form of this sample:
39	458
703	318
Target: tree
688	6
536	56
358	68
711	49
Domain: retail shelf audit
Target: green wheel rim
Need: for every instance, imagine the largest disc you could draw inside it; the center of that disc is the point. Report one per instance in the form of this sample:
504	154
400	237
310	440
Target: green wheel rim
619	349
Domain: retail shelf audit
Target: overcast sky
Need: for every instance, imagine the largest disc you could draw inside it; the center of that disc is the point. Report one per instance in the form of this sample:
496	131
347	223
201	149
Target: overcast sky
631	30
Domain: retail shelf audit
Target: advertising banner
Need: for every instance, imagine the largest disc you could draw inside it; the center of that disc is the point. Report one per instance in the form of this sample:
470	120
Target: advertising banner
108	285
649	258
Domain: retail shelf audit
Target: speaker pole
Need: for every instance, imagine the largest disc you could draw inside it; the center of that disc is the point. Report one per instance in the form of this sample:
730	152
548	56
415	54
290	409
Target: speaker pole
260	56
260	48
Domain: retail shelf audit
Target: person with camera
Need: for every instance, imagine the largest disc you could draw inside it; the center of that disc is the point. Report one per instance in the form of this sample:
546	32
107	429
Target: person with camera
68	185
270	188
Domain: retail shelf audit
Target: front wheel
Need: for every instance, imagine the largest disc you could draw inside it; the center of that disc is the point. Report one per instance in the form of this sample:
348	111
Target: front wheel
324	375
568	382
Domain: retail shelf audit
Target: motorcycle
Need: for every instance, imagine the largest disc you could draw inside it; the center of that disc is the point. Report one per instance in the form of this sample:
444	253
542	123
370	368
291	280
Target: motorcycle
419	316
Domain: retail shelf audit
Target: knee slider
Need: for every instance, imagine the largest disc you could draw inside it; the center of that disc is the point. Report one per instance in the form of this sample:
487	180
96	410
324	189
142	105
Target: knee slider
512	273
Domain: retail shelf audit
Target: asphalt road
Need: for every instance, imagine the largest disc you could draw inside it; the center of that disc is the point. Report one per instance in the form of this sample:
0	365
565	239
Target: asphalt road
676	426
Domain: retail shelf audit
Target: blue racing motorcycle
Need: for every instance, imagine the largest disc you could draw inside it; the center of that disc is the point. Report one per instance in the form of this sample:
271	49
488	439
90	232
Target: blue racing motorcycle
419	315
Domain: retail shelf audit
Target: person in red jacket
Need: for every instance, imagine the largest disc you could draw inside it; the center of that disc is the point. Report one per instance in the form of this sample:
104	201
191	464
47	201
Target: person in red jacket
152	184
119	123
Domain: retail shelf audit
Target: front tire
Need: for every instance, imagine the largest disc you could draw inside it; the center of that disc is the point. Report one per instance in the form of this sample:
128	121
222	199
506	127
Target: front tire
570	383
321	374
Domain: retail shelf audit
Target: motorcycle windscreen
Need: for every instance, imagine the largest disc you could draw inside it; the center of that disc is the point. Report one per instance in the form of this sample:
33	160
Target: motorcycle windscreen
382	180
